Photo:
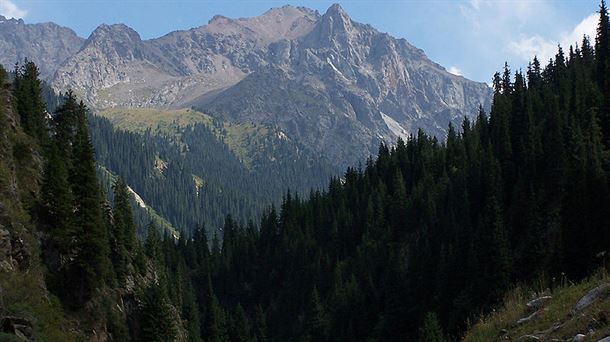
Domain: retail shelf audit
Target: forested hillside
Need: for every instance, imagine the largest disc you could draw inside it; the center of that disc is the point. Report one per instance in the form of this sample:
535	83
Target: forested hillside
71	266
431	234
190	175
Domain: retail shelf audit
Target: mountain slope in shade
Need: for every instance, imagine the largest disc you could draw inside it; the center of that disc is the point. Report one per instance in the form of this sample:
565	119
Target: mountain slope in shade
48	44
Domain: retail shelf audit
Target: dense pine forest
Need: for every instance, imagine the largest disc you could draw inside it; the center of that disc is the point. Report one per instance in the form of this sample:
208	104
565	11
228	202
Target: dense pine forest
411	245
430	234
197	178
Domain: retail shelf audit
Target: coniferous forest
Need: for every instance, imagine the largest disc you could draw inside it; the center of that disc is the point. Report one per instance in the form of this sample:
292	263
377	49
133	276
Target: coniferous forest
411	245
431	233
226	185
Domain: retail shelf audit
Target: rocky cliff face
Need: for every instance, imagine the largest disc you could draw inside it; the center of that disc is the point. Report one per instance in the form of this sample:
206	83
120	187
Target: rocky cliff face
336	85
116	68
48	45
347	85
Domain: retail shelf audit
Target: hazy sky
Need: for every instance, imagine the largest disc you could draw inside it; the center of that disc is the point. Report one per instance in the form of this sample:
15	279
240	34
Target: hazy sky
469	37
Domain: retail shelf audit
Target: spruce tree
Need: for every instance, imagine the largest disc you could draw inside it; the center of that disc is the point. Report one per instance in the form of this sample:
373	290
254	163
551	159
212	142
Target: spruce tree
157	319
57	201
316	319
152	245
123	231
92	261
430	330
123	213
30	105
260	324
214	328
602	59
65	122
240	327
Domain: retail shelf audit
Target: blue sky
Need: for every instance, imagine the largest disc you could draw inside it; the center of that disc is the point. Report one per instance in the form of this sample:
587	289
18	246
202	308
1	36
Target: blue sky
468	37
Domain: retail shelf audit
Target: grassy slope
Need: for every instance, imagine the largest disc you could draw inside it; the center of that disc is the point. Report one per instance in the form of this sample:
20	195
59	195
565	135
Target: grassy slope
556	321
241	138
157	120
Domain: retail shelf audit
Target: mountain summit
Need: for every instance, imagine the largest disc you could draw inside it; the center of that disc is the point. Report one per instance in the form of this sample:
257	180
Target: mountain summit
47	44
336	85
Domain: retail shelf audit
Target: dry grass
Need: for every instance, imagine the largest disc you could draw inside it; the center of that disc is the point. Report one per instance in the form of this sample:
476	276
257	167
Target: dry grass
161	121
556	321
242	139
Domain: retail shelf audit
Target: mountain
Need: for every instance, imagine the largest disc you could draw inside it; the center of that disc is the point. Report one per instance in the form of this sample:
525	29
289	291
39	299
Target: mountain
344	86
337	86
48	45
505	224
115	68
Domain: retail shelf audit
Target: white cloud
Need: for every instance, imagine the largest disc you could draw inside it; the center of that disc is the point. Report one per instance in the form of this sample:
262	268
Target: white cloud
455	70
502	14
586	27
10	10
528	47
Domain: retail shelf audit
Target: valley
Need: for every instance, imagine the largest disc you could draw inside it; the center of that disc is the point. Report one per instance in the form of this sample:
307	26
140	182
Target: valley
299	176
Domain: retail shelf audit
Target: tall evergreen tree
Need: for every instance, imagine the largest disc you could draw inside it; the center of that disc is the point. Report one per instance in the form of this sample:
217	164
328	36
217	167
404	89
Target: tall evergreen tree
214	328
602	60
153	245
30	105
57	201
431	331
123	235
92	260
157	319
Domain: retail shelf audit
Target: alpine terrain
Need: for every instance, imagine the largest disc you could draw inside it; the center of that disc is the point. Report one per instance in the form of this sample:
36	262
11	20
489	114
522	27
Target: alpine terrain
336	86
298	177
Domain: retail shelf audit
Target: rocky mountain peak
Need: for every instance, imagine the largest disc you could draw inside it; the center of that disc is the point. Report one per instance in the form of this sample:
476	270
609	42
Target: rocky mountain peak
117	39
336	20
336	10
46	44
4	19
335	30
287	22
218	19
288	10
119	32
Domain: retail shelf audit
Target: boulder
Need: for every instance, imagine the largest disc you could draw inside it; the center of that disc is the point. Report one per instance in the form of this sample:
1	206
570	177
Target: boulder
6	251
605	339
538	303
20	327
6	266
591	297
6	247
21	253
528	318
579	338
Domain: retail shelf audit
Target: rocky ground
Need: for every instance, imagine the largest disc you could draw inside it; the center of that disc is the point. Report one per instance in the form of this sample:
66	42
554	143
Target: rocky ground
569	312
